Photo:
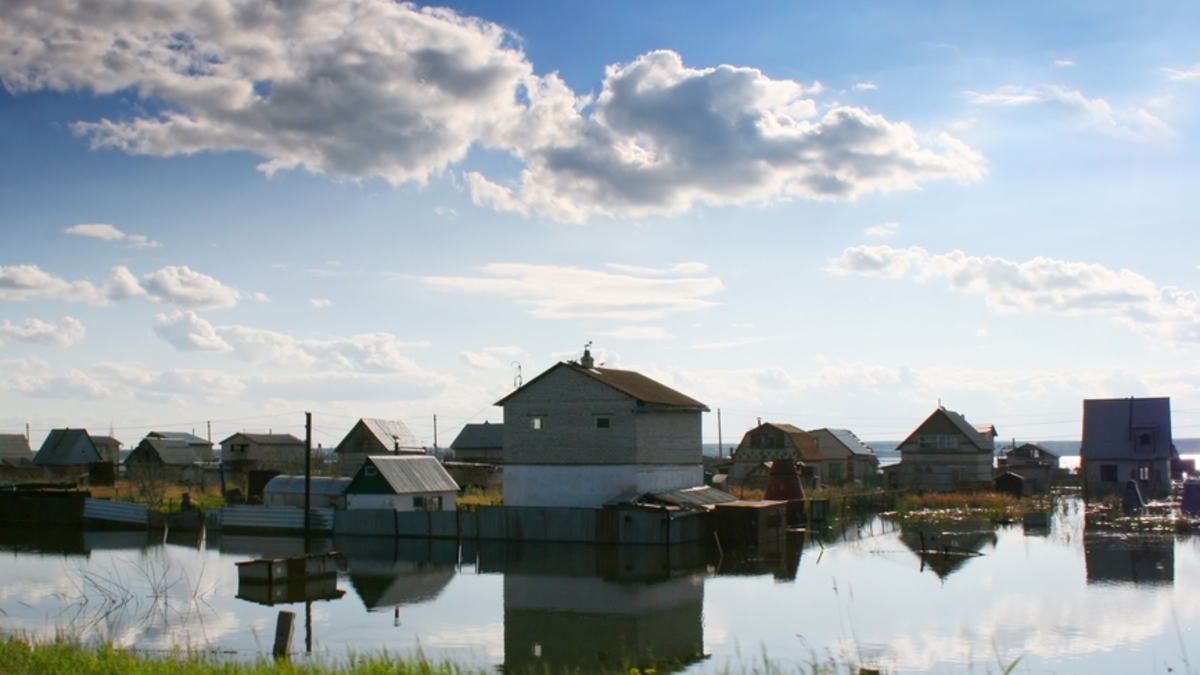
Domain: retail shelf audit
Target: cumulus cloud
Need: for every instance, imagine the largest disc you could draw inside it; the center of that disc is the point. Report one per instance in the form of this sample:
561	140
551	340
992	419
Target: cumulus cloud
865	86
320	303
367	352
67	332
1040	285
884	230
662	137
560	292
109	233
1096	114
377	88
173	285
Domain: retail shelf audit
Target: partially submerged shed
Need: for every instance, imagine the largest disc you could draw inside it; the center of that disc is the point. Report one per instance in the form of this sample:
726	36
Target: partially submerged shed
402	483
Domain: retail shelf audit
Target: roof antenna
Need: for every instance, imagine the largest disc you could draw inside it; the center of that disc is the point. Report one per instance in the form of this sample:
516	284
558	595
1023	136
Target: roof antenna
517	381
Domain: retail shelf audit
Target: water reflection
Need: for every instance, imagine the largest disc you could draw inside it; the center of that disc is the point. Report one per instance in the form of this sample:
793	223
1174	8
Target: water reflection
944	548
1123	558
390	573
579	608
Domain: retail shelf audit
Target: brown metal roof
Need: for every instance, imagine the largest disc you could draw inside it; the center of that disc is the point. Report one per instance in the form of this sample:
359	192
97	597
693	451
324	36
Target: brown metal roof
633	384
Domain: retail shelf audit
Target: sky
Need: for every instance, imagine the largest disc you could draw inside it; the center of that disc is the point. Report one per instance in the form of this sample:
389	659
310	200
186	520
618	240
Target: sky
222	213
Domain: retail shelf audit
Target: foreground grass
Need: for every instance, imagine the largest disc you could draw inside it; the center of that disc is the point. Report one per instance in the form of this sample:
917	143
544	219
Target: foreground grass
21	657
956	506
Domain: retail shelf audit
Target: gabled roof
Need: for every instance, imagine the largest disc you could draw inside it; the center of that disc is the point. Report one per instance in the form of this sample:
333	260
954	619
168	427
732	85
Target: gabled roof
474	436
1023	451
412	474
960	423
15	446
68	446
392	434
848	440
179	436
806	452
172	452
1111	424
265	439
635	385
108	440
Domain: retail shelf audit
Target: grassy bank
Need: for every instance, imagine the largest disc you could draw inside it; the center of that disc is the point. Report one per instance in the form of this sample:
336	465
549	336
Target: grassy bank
20	657
958	506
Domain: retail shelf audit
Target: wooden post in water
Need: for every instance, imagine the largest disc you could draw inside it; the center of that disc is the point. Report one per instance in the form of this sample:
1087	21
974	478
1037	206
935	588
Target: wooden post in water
284	626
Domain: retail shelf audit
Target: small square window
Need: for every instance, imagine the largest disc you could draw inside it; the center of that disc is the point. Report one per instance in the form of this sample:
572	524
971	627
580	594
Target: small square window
369	470
535	423
602	422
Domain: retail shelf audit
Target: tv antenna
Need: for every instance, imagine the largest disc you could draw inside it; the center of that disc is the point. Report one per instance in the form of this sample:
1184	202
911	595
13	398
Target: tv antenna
517	381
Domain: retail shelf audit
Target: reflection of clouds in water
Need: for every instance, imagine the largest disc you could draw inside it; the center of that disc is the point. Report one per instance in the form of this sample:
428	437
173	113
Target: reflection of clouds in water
1084	621
486	638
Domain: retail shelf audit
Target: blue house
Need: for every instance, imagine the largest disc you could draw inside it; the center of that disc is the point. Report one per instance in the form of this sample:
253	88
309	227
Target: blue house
1127	439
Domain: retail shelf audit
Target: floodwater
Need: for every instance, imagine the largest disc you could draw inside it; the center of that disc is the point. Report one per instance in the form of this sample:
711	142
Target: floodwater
1061	600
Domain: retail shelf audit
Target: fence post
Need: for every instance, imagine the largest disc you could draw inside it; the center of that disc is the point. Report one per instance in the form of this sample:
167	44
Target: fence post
284	627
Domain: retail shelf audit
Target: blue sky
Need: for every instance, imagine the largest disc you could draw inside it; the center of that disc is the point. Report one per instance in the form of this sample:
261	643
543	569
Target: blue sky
824	215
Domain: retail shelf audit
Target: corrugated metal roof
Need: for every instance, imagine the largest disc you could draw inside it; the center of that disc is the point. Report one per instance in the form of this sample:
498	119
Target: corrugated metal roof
413	474
294	485
633	384
171	452
15	446
392	434
851	442
178	436
267	439
475	436
697	496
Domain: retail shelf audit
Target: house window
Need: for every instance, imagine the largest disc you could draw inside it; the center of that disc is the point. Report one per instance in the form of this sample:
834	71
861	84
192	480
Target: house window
603	422
535	423
1143	473
1143	441
418	503
1108	473
369	470
937	442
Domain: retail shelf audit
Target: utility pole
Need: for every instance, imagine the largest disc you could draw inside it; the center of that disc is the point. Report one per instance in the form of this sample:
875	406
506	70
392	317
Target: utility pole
435	452
209	431
720	442
307	481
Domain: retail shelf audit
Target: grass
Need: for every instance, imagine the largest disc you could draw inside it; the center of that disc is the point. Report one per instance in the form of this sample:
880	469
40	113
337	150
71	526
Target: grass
473	496
957	506
165	496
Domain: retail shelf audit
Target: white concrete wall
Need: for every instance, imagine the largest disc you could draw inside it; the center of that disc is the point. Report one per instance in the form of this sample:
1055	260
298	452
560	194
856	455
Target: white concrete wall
591	487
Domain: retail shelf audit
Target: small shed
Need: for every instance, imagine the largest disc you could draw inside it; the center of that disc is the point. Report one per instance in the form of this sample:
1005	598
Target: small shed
289	491
67	447
402	483
1014	484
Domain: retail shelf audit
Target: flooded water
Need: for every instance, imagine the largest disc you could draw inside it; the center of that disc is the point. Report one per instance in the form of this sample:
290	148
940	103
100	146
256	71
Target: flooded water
1060	599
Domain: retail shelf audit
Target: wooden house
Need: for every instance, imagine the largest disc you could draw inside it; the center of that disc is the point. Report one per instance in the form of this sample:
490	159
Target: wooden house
846	458
163	458
375	437
109	447
68	446
249	452
944	453
578	435
1032	462
14	449
769	442
202	447
1127	439
479	443
401	483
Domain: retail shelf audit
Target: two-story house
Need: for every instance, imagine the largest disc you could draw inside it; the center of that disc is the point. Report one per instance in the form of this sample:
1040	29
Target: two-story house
578	435
944	453
768	442
1127	439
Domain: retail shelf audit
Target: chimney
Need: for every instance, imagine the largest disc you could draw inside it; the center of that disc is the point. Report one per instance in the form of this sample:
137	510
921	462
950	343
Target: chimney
587	361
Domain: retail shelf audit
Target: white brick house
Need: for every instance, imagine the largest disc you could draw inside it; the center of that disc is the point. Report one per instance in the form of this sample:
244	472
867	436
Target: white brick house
581	436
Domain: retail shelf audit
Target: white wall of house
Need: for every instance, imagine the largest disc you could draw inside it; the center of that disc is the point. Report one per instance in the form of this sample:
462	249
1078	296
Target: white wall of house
590	487
397	502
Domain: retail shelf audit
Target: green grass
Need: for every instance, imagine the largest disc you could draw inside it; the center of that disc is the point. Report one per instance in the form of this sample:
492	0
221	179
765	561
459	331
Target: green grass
22	657
952	506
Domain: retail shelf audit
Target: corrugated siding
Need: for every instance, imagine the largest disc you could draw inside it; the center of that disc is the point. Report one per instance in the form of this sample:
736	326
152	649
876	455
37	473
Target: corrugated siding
287	518
369	522
115	512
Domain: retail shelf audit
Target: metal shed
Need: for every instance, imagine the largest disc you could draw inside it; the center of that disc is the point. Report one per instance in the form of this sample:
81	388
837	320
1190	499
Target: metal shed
289	491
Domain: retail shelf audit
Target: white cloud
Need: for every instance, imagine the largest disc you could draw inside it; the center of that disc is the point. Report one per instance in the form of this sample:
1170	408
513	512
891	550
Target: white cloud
1064	63
681	268
384	89
662	137
173	285
367	352
573	293
884	230
320	303
109	233
1040	285
496	358
184	287
65	333
865	86
1094	113
259	296
1192	73
639	333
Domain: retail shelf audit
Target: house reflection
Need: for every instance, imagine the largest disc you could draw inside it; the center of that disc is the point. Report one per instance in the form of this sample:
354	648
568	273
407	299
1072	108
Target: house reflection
75	542
1123	558
586	608
944	548
390	573
778	559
